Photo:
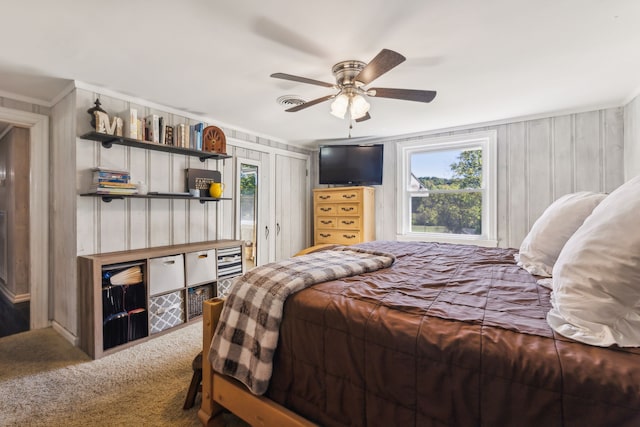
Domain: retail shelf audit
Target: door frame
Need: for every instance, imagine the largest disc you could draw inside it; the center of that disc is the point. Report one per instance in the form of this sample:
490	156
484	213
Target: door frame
272	152
261	251
38	126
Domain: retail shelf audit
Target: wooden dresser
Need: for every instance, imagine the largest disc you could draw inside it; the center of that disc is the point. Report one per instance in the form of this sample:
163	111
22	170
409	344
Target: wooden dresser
343	215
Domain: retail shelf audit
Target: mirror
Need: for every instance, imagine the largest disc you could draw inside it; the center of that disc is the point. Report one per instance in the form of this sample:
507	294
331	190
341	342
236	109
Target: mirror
249	211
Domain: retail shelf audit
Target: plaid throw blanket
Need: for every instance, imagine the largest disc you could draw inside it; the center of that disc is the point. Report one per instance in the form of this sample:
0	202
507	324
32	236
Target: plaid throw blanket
247	334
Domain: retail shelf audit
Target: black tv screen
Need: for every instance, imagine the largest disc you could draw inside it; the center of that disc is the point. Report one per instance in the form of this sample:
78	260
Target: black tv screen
351	164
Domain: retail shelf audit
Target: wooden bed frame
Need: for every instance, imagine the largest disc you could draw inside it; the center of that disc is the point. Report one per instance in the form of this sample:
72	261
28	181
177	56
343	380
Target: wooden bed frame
220	393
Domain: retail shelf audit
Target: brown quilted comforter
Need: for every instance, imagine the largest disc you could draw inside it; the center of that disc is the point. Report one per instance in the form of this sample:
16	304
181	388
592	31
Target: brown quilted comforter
448	335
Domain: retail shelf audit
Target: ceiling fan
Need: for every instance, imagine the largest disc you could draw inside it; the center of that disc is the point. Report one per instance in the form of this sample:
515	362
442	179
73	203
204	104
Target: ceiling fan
351	78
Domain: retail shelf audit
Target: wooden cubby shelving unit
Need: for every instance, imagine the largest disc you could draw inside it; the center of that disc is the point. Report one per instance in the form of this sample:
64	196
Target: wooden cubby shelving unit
90	279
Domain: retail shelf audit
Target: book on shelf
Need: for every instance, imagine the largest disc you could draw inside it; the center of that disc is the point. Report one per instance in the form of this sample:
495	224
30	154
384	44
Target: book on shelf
131	123
141	128
108	170
110	188
110	175
168	135
192	137
121	192
198	134
179	135
110	181
161	130
195	136
111	184
152	123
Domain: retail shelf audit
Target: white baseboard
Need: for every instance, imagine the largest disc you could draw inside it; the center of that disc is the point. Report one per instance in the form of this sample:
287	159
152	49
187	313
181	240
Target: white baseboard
65	334
13	298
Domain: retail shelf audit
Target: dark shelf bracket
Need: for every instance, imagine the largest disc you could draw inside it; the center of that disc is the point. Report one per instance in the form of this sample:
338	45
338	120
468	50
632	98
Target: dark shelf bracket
108	199
109	143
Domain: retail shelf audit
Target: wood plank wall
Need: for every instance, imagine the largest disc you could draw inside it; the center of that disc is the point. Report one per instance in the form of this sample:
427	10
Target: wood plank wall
105	227
632	138
538	161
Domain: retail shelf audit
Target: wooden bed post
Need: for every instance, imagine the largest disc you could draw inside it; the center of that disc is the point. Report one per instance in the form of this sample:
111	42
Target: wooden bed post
236	398
209	410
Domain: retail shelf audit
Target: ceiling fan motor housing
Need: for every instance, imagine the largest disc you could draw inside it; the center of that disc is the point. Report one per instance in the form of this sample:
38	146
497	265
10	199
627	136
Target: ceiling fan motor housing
346	71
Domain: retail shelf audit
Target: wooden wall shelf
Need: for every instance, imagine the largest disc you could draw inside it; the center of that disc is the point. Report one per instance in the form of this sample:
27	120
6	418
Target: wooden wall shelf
109	197
108	140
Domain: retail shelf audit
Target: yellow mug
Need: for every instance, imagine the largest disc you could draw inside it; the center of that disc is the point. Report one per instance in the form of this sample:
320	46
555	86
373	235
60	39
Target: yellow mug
216	189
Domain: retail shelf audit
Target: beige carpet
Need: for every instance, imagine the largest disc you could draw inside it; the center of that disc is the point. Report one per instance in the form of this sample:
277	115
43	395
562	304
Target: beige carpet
45	381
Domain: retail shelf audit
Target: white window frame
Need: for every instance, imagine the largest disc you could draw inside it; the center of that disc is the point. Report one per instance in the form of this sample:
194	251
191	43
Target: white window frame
487	141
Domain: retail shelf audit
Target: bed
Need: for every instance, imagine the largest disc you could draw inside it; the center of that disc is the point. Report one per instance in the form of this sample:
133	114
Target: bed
447	335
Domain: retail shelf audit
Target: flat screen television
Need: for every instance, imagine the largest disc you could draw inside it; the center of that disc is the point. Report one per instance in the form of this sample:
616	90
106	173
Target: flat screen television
351	164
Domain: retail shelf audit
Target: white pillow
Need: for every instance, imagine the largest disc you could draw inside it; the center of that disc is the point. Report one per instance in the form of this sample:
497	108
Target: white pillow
540	249
596	279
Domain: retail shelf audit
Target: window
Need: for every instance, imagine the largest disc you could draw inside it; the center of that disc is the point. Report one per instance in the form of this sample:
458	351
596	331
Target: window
448	189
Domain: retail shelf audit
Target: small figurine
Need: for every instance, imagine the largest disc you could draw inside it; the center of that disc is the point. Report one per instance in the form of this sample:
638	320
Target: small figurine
92	110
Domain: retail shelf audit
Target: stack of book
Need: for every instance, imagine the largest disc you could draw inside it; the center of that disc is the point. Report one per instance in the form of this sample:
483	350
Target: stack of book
154	128
107	181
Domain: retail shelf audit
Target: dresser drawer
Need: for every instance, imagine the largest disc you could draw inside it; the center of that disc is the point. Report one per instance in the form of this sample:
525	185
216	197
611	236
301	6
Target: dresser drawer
338	196
326	222
349	209
325	209
348	223
338	237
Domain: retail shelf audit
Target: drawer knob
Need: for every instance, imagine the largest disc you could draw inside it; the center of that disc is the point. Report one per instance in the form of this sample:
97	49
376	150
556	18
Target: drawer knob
325	222
324	197
347	222
348	196
325	235
325	209
347	209
349	236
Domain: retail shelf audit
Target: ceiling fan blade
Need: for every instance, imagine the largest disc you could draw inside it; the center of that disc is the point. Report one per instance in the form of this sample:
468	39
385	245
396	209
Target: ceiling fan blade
363	118
405	94
310	103
383	62
301	79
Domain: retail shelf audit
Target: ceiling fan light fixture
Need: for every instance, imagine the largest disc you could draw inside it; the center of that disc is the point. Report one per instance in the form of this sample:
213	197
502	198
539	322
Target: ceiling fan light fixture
339	106
359	106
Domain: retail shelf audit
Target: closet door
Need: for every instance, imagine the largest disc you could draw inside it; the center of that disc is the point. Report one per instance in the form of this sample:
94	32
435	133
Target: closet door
253	209
283	201
292	203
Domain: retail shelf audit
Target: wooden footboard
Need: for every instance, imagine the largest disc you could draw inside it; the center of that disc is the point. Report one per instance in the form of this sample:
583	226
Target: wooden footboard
220	393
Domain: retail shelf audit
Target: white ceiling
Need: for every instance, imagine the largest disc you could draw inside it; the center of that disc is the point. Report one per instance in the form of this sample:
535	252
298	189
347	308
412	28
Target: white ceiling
488	60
